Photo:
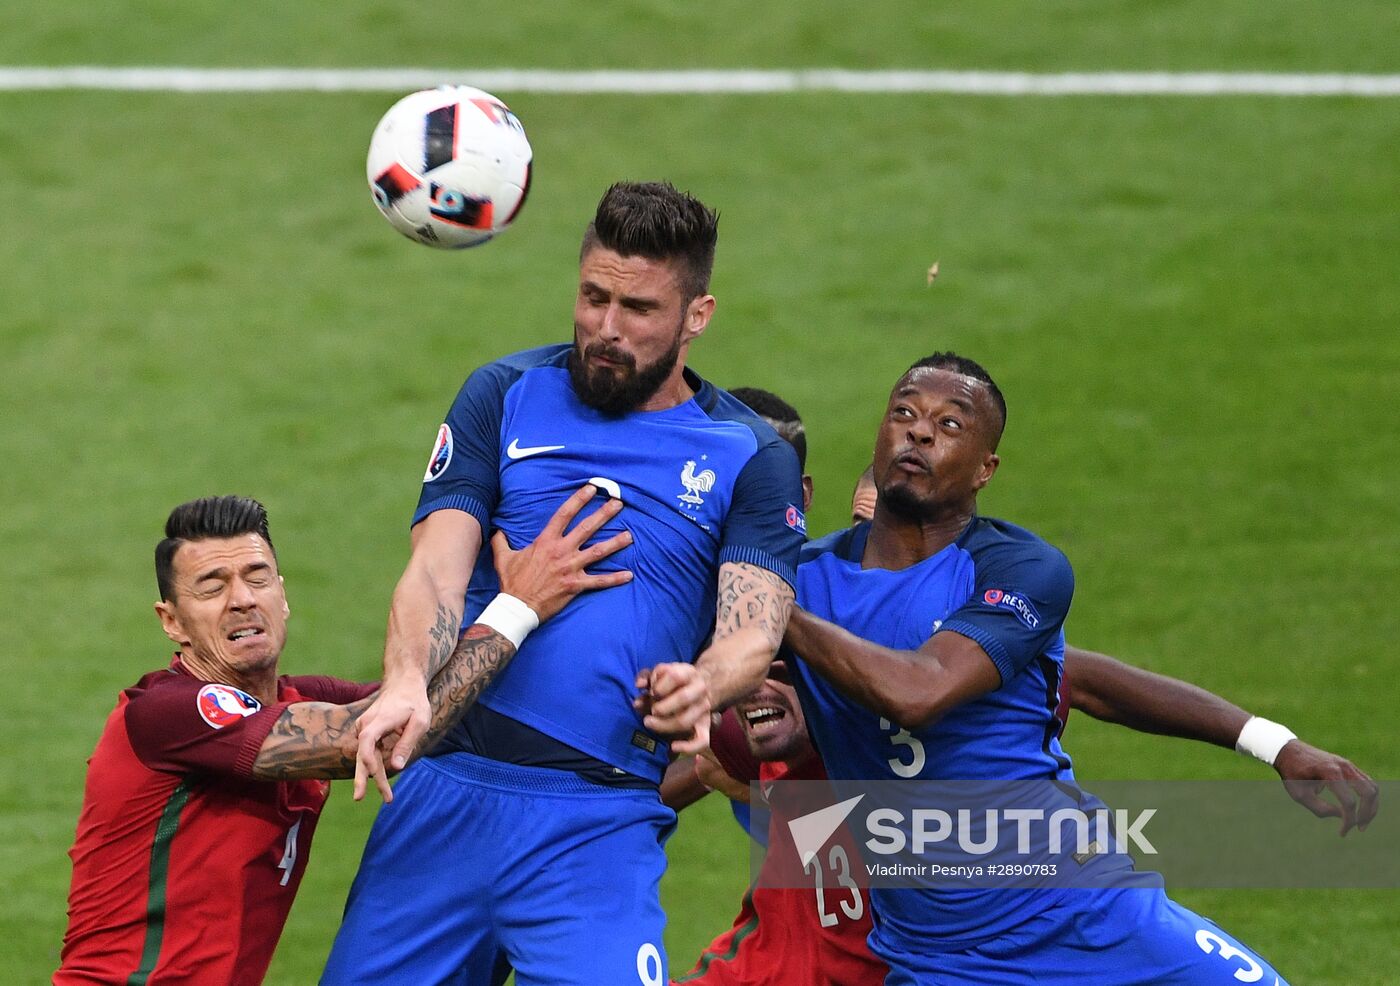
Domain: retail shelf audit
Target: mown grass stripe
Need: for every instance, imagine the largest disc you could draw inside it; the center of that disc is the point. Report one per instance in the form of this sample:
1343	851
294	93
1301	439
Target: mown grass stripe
731	81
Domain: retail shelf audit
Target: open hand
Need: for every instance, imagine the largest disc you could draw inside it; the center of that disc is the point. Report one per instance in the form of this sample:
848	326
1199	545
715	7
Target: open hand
1308	771
399	715
552	569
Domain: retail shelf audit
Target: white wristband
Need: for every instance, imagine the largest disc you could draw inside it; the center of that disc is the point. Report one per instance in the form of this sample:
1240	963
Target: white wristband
1262	739
510	617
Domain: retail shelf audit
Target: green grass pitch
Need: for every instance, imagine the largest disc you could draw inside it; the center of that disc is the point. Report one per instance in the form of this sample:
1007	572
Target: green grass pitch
1191	304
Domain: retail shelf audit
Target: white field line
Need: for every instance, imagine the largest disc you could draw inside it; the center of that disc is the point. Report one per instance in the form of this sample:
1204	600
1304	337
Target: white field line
393	80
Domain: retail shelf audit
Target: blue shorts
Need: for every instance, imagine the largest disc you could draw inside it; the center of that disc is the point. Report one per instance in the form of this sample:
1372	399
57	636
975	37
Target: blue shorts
1126	937
480	867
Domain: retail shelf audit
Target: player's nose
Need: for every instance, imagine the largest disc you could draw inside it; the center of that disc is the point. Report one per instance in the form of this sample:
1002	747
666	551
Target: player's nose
921	431
241	595
611	328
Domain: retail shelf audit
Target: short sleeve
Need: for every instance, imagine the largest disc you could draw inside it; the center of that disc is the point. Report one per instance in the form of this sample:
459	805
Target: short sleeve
464	469
765	525
322	688
189	726
1018	605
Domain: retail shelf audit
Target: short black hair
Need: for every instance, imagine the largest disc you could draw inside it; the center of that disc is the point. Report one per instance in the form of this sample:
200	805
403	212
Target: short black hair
967	368
653	220
199	520
778	413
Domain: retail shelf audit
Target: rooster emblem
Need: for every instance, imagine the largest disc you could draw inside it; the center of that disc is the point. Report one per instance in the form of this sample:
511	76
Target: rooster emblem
695	484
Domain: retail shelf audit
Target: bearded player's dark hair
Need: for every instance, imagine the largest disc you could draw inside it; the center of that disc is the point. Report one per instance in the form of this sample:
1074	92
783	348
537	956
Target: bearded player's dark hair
968	368
653	220
781	415
202	519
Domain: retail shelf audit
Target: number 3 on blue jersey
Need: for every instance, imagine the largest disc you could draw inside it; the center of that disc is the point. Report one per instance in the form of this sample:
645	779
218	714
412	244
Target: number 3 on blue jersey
915	750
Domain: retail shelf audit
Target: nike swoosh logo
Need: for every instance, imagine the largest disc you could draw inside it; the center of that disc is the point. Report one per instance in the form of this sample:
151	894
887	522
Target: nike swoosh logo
514	451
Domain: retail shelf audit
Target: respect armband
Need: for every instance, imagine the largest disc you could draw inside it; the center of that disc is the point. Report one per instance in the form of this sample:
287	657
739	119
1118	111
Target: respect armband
510	617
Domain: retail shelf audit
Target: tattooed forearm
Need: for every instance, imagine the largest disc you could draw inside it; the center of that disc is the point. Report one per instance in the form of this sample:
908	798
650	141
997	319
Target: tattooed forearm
310	739
443	634
752	597
750	616
478	658
317	739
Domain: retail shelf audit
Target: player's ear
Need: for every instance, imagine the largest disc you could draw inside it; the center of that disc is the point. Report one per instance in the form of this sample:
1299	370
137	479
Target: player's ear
806	493
697	316
286	607
989	468
170	623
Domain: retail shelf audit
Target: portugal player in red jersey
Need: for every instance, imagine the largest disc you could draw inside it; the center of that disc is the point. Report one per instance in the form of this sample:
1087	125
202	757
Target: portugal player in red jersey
206	784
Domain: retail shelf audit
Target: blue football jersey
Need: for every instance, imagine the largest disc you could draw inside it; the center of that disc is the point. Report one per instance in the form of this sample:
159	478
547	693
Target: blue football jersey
997	584
1004	588
703	483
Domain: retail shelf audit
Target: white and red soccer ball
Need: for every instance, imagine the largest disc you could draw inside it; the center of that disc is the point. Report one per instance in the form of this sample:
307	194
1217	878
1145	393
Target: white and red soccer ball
449	167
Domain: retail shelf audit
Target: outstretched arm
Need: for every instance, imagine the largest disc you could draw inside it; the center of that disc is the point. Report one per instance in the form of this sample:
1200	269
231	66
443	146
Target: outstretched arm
1119	693
751	614
1115	692
318	739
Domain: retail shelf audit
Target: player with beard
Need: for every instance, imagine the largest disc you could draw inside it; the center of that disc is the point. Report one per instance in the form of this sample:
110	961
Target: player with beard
532	836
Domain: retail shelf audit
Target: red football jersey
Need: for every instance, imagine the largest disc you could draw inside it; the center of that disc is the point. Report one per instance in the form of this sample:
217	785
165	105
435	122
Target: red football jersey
184	866
795	936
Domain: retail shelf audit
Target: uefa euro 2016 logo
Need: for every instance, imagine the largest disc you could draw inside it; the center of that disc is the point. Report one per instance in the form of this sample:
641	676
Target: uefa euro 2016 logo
223	705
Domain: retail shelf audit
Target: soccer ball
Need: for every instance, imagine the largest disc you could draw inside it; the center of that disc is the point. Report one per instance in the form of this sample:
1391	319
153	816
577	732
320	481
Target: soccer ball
449	167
